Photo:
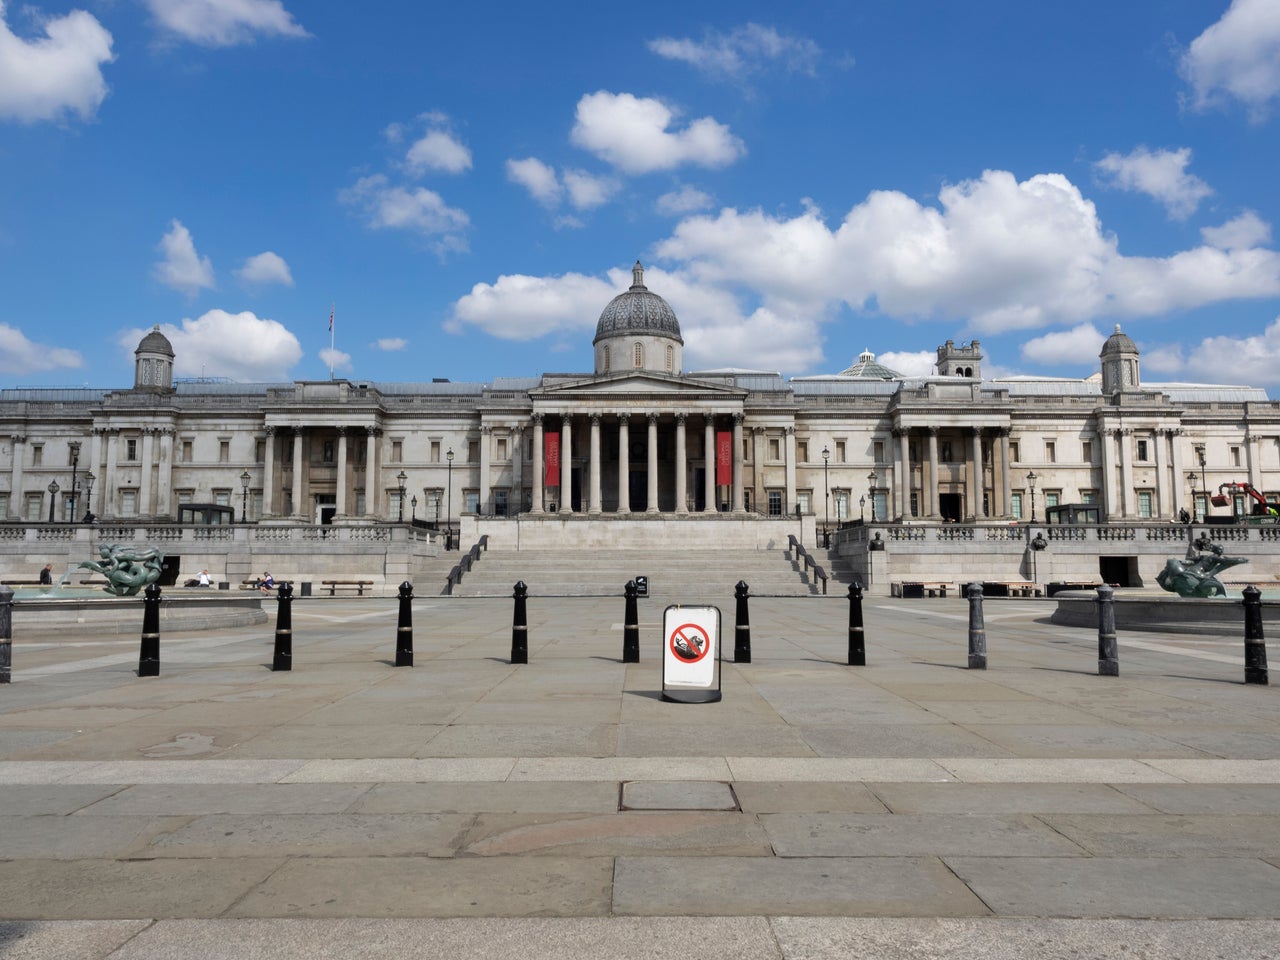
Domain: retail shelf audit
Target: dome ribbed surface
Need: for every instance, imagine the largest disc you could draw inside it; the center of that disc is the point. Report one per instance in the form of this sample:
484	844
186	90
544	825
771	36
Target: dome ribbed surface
155	342
1118	343
638	311
867	369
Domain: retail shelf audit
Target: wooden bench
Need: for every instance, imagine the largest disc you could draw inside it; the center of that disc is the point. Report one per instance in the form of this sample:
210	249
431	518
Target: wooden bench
357	585
1017	588
912	589
253	584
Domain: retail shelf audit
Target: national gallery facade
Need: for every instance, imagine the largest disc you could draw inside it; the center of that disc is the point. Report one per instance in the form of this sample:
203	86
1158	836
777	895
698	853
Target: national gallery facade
638	436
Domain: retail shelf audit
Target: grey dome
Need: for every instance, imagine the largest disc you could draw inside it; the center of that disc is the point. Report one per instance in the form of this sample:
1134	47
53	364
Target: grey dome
867	369
1118	343
155	342
638	311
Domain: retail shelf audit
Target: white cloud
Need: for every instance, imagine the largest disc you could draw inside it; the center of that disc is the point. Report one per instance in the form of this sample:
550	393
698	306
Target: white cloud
18	355
687	199
438	150
519	307
390	344
1000	253
741	52
182	268
265	268
60	73
419	210
1079	345
335	359
587	191
631	134
916	363
241	346
1246	230
536	177
1237	57
1161	174
224	23
1245	360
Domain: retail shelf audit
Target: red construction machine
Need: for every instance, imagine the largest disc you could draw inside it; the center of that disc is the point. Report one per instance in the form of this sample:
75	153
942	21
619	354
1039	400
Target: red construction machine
1262	511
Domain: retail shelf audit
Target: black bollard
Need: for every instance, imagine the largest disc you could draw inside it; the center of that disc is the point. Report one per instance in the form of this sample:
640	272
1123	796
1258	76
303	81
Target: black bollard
1255	646
283	656
149	650
520	627
6	632
404	627
857	644
631	625
977	629
1108	648
742	634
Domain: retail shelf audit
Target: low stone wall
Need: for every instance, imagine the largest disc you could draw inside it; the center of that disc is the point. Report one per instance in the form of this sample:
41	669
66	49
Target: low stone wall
1167	613
115	616
638	532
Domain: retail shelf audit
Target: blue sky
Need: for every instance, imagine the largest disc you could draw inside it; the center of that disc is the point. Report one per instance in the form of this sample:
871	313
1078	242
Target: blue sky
467	185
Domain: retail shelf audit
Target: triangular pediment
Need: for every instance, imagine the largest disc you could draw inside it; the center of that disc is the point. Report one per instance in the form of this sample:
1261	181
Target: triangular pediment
634	384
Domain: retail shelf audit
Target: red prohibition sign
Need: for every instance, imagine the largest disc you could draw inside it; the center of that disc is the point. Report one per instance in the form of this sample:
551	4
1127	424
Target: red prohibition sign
689	642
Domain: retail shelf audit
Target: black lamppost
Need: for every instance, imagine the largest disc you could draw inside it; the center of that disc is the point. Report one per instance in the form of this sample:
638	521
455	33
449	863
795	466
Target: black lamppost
88	496
1031	482
871	493
1203	482
244	497
413	518
448	504
1191	478
401	477
74	447
53	497
862	509
437	493
826	493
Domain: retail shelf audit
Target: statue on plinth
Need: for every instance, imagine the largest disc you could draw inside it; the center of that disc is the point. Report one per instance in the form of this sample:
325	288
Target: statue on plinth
128	569
1197	575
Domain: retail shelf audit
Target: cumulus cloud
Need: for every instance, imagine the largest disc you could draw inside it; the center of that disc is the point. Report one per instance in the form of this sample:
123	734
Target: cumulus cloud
586	190
182	268
390	344
742	52
687	199
265	268
422	211
1225	359
536	177
241	346
519	307
438	150
915	363
18	355
335	359
631	133
1079	345
1238	57
55	75
224	23
1161	174
1246	230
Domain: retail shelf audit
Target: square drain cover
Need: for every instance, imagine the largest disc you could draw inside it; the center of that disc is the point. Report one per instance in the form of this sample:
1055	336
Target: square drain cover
677	795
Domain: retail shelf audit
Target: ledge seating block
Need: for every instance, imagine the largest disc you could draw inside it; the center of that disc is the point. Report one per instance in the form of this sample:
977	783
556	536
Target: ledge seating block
915	589
356	585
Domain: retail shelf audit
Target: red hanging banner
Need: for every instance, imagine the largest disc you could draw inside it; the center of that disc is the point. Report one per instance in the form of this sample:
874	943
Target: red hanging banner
724	458
551	457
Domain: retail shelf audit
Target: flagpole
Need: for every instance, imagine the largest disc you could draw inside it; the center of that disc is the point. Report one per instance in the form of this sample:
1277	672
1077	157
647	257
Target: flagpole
331	306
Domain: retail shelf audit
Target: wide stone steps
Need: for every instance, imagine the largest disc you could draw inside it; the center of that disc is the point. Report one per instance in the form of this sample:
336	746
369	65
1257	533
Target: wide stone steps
672	574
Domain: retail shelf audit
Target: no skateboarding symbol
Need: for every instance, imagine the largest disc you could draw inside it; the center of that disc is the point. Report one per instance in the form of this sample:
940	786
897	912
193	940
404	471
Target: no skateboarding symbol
689	642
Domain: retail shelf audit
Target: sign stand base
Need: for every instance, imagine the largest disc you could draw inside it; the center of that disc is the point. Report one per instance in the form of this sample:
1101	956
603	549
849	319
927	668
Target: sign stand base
691	696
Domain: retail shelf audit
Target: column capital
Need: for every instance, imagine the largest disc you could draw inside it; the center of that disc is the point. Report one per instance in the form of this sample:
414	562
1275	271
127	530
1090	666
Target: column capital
681	417
595	419
297	430
537	419
791	429
21	437
653	418
486	429
342	430
931	430
738	419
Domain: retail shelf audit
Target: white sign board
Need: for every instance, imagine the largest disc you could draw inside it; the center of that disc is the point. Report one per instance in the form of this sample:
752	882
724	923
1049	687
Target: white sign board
691	654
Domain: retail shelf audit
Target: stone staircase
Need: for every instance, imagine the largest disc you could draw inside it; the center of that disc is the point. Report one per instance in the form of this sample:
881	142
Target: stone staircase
673	575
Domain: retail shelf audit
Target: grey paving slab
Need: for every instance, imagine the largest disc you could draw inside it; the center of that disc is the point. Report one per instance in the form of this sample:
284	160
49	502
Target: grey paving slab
806	797
74	838
813	886
509	797
333	741
139	741
1177	835
678	795
195	799
86	889
1220	798
1265	770
560	938
313	835
1079	740
188	771
1122	887
991	798
526	740
839	938
1058	770
433	887
912	835
29	800
686	833
827	769
694	739
59	940
402	769
621	768
901	740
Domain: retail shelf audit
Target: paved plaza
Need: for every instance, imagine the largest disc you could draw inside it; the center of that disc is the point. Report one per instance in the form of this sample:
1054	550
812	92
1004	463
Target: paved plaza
471	807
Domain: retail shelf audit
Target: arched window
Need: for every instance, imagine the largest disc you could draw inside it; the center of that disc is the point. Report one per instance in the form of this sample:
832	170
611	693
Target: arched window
606	359
639	355
671	358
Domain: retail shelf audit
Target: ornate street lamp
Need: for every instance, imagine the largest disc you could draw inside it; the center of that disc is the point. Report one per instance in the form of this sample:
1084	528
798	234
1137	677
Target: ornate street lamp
871	493
401	477
53	497
1203	482
1031	482
1191	478
414	516
88	496
862	509
826	491
244	497
448	504
74	447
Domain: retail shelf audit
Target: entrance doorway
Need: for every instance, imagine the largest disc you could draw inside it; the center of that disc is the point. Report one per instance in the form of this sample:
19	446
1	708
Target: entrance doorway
326	507
951	507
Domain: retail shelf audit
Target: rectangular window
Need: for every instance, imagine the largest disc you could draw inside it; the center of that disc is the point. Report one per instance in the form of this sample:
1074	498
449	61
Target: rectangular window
840	445
502	452
802	451
1142	451
128	503
393	503
397	451
360	503
471	501
224	451
1088	496
4	506
1050	452
222	498
131	449
1144	503
435	451
500	503
259	451
880	505
434	500
775	503
1235	456
877	451
473	451
327	452
803	499
1014	452
1086	451
944	451
37	454
187	455
915	503
1015	504
185	496
1052	498
842	504
775	449
746	500
34	503
255	504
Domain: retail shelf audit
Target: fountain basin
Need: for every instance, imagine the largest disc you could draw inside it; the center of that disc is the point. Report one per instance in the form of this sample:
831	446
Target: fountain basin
101	615
1164	612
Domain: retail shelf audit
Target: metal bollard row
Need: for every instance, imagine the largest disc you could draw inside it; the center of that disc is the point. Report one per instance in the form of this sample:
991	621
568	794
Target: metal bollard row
149	649
1108	649
282	655
631	624
742	632
1255	646
520	626
857	643
6	632
404	627
977	629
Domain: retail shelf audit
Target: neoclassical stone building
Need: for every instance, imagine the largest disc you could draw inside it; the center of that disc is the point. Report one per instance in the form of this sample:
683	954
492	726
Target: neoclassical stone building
638	437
